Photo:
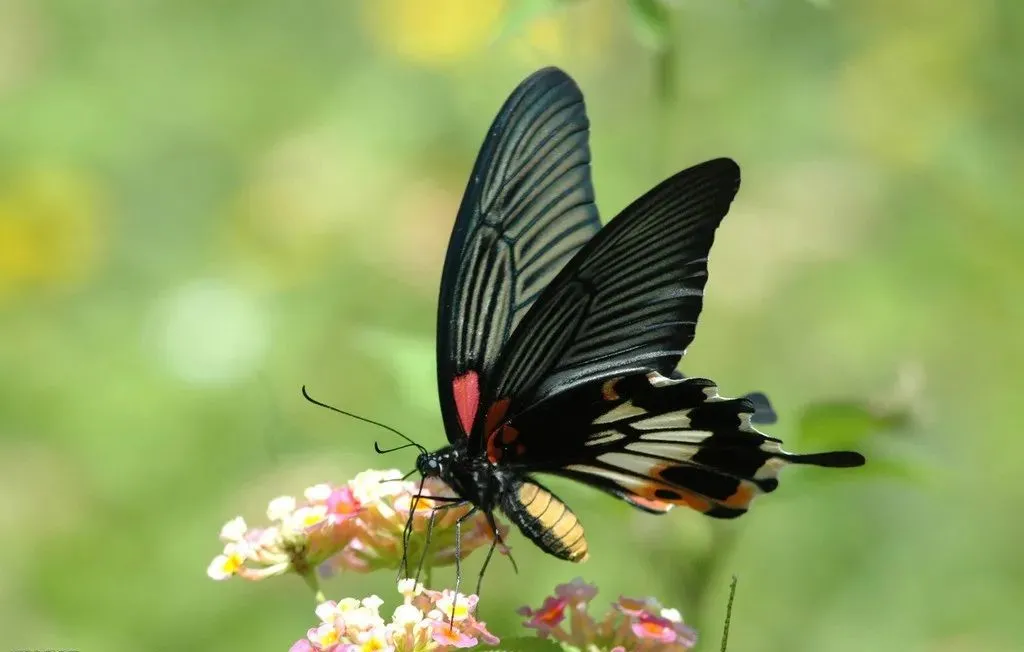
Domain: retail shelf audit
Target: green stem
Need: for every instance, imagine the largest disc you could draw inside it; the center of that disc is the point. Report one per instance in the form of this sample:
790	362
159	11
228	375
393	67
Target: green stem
310	578
428	576
728	613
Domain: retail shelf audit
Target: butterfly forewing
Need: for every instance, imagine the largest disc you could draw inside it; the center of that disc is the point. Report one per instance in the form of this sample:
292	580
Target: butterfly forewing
528	207
628	302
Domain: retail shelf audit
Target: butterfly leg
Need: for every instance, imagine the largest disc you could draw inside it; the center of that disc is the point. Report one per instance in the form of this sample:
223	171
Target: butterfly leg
496	541
449	504
403	566
458	556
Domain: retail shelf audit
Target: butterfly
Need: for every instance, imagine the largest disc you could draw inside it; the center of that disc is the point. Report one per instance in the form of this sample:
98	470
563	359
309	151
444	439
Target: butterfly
558	339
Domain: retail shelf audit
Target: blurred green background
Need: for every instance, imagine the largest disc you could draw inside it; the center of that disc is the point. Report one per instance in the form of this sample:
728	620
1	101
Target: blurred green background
206	204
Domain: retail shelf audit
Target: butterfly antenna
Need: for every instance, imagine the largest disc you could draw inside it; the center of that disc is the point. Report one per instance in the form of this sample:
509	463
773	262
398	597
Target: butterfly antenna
728	613
376	446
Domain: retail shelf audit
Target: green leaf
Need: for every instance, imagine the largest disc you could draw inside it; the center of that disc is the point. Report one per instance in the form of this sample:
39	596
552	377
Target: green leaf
650	19
899	469
533	644
846	423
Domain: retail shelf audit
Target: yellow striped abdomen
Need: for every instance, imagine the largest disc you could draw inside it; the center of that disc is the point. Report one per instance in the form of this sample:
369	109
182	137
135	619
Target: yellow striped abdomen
544	519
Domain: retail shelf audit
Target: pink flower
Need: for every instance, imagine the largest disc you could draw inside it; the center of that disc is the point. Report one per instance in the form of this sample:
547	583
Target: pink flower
636	606
631	624
548	617
577	591
342	504
445	634
655	628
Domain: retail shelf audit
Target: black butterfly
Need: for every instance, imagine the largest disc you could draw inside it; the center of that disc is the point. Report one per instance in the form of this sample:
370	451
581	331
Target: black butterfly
558	339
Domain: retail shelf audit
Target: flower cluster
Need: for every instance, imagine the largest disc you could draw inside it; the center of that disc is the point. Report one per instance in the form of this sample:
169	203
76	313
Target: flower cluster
358	526
640	625
426	620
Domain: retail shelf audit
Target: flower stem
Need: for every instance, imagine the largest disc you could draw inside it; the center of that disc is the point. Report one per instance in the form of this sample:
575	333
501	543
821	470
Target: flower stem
728	613
309	577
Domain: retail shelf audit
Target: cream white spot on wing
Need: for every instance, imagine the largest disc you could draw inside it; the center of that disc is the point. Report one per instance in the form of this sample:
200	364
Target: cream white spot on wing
625	481
680	436
657	380
678	419
604	438
675	452
633	463
771	468
624	411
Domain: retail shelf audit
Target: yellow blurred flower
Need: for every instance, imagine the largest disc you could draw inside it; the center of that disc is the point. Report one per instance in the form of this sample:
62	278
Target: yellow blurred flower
566	34
49	231
435	32
911	85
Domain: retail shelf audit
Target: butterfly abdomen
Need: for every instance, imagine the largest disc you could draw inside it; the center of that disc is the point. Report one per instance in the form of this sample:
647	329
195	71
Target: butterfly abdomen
544	519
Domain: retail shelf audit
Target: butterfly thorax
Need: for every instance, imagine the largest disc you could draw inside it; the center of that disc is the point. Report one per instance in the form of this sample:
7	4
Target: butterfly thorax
471	477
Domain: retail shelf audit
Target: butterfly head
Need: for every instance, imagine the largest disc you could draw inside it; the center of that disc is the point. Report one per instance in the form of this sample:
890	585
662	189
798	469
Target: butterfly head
430	465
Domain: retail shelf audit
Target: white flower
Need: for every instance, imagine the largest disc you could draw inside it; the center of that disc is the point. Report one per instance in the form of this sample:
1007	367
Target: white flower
454	605
672	614
373	602
234	530
370	486
409	587
348	604
318	493
227	564
361	619
406	614
308	516
280	508
327	611
325	635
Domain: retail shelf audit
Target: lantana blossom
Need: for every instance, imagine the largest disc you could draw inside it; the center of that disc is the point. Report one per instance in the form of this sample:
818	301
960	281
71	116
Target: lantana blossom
421	623
357	526
638	625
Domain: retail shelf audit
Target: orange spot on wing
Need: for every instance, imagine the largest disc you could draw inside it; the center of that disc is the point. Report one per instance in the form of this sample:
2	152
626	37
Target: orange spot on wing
608	390
696	502
741	498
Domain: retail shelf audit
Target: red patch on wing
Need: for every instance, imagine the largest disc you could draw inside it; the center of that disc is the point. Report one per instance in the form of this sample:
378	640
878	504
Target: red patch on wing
466	389
495	415
501	439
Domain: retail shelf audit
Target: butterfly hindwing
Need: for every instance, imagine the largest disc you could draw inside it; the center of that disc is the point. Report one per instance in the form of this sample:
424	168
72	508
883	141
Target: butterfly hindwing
528	207
657	442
